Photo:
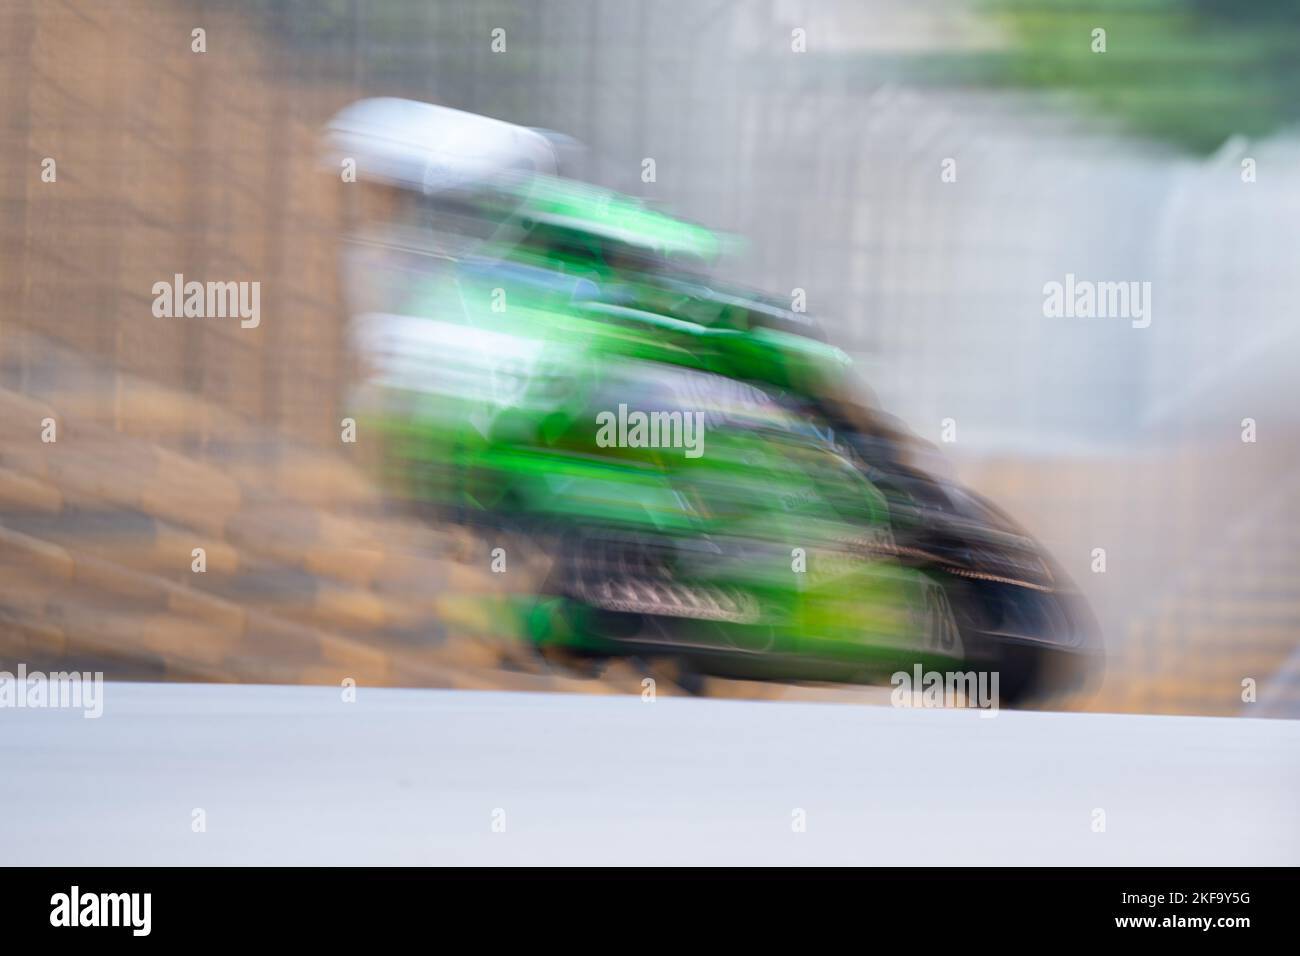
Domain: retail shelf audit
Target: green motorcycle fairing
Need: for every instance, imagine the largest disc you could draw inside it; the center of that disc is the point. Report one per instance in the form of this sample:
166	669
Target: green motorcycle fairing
768	546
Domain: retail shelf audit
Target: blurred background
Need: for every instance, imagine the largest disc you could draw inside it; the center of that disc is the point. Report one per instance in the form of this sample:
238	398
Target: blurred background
1115	166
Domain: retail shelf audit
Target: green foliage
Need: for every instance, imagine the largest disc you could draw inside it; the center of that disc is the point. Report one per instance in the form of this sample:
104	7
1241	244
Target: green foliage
1193	72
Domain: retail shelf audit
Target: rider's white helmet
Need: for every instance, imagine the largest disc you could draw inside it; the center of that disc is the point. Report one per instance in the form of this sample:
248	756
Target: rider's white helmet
420	146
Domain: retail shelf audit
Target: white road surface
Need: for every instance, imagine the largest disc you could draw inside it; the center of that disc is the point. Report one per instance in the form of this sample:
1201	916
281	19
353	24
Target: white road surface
288	775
